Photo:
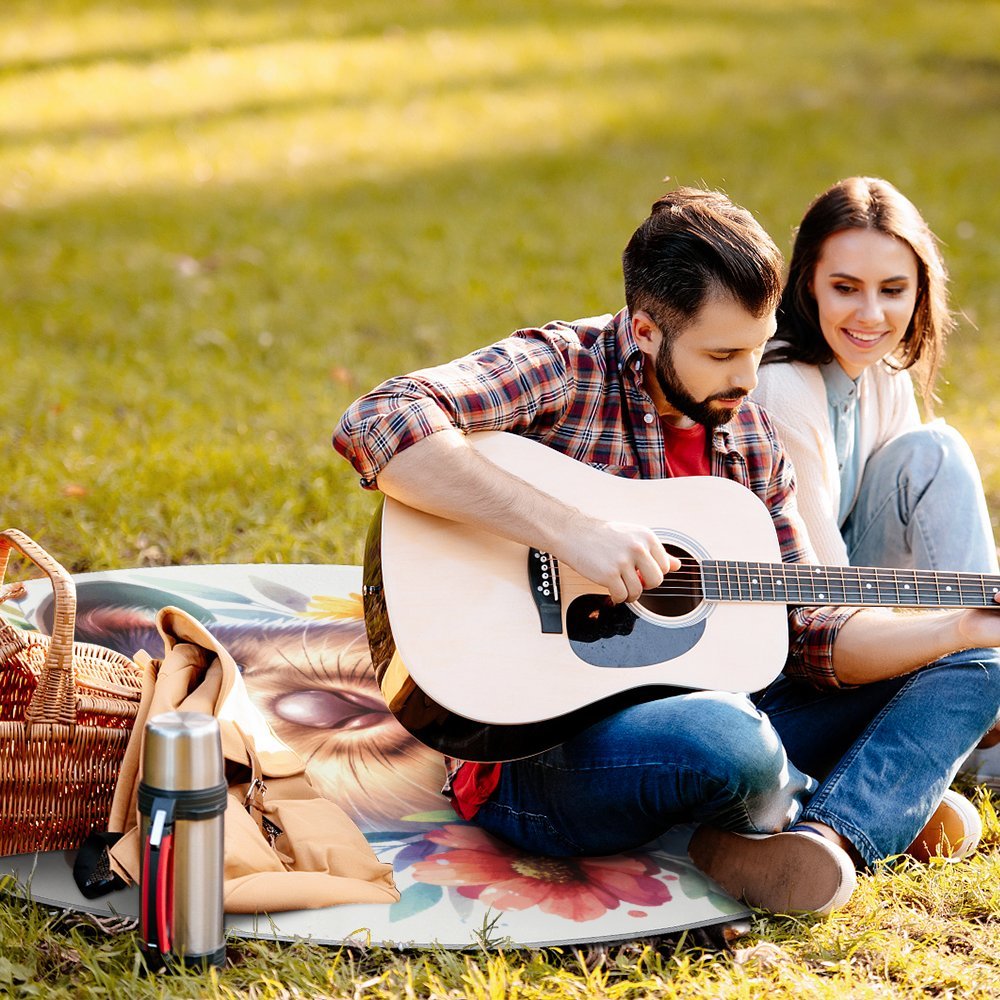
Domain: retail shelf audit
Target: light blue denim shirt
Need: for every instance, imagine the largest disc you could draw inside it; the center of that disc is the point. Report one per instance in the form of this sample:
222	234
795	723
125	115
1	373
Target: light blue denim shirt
842	401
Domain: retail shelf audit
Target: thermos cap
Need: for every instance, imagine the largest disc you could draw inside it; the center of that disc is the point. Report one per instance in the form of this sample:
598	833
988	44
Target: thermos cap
182	752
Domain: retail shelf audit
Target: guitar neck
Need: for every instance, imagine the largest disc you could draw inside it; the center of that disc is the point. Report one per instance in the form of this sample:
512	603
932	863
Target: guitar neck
801	583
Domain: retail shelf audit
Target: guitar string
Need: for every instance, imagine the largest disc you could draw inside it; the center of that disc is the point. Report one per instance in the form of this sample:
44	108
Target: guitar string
834	599
803	581
688	581
809	571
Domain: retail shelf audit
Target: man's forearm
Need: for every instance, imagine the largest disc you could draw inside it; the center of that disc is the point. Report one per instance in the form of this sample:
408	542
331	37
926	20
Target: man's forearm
878	643
444	475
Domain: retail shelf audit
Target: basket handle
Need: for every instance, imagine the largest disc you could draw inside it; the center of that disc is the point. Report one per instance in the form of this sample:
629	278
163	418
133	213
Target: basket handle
54	700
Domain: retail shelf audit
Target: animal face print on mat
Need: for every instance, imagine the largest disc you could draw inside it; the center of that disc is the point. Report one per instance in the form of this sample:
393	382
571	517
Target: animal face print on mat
309	671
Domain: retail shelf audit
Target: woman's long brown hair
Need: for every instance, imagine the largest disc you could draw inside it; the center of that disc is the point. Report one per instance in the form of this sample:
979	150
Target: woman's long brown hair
866	203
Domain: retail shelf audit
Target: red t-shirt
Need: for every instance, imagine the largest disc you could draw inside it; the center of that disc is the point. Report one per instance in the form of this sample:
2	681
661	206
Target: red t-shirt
686	455
686	450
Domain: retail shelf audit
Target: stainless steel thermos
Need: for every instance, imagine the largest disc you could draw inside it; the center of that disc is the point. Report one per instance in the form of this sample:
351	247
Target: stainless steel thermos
182	801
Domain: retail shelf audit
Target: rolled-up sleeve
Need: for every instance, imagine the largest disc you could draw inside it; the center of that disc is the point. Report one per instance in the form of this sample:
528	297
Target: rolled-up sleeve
386	421
812	632
515	384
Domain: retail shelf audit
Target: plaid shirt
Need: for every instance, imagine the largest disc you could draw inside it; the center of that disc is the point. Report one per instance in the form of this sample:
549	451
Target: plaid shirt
577	387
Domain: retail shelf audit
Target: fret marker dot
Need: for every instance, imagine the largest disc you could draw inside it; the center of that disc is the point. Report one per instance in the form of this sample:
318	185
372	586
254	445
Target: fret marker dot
947	588
906	586
780	582
753	579
868	586
823	596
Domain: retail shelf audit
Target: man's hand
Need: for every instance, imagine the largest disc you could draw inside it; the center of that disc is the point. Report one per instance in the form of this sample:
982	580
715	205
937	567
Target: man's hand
624	558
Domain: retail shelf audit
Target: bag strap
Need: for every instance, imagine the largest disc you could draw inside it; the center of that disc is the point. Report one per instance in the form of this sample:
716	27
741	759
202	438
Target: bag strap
54	700
92	867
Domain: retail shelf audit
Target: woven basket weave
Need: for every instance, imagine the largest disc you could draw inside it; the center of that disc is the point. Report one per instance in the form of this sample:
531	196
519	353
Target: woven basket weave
66	711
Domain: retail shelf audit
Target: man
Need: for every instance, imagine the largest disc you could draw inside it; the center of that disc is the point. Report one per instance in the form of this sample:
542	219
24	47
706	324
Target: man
660	390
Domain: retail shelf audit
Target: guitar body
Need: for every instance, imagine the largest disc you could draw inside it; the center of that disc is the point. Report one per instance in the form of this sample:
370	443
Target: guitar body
476	663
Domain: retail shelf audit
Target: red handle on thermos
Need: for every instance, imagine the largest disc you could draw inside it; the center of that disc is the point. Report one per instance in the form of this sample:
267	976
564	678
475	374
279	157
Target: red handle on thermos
156	910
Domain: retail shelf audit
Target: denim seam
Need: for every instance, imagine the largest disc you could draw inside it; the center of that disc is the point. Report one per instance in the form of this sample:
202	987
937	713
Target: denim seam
926	539
541	819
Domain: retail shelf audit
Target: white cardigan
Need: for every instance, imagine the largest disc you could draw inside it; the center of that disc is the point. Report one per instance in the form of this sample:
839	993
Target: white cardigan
794	395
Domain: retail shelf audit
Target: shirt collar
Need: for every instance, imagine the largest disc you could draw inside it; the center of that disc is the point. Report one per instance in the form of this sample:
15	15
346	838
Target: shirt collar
632	360
840	387
722	440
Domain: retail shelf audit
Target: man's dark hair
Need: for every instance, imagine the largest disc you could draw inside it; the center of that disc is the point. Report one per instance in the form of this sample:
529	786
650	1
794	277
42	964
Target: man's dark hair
694	244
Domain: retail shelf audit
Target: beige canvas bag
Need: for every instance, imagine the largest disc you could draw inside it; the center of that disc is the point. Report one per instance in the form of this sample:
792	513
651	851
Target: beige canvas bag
286	848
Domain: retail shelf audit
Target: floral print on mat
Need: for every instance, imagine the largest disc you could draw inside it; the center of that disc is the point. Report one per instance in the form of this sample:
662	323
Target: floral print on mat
503	878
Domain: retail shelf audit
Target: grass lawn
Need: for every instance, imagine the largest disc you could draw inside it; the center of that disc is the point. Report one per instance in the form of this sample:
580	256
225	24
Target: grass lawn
221	221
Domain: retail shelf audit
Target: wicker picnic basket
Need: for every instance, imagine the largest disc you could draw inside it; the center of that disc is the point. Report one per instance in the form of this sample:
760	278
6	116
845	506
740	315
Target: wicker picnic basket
66	711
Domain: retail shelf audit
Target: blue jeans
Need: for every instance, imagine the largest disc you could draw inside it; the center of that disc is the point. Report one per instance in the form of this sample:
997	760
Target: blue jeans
884	753
921	506
696	756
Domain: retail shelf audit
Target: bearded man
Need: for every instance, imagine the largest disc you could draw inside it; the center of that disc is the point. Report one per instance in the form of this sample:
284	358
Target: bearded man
883	707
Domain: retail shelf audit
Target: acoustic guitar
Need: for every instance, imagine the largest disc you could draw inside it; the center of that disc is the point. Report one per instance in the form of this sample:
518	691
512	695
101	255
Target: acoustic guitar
487	650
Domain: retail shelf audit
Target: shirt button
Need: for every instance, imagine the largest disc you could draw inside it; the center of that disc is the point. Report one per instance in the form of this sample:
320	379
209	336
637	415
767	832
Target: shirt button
648	418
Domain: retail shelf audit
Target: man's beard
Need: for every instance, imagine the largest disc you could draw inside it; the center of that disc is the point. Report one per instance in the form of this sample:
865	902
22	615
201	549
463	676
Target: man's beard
680	399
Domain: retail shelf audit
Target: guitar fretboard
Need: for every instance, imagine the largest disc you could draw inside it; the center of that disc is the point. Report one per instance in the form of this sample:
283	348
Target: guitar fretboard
800	583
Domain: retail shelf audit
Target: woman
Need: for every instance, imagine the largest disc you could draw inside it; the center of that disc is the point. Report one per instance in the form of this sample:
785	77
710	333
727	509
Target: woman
865	304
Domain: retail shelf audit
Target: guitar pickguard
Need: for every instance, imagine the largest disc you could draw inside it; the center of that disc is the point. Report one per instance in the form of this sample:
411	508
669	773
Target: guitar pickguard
613	635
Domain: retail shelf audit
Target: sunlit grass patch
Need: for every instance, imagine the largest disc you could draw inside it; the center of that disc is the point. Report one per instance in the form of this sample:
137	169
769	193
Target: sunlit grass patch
219	222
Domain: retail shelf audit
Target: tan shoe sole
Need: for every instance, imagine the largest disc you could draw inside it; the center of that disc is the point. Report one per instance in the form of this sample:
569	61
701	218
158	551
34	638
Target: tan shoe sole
953	832
783	872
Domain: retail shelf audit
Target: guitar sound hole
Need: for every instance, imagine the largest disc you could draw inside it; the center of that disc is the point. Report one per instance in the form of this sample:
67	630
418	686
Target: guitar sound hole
680	593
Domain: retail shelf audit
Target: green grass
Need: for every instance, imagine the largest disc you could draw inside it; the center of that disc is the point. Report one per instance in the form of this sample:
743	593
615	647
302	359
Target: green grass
910	932
221	221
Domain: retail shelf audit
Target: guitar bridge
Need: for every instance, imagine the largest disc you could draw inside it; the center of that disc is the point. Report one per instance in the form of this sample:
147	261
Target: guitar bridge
543	578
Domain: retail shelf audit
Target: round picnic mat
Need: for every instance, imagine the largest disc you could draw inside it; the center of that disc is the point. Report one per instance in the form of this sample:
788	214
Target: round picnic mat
298	634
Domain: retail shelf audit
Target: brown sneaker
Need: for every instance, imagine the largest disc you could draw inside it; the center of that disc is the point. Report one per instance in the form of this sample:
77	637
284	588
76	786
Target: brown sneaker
782	872
953	832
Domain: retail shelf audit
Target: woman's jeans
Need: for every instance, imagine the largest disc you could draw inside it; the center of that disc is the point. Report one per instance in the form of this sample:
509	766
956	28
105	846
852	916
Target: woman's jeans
921	506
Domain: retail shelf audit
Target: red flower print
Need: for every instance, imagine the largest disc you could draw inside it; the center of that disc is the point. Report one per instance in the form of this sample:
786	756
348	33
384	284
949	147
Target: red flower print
504	878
